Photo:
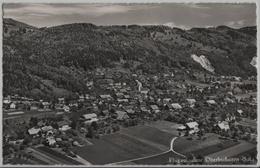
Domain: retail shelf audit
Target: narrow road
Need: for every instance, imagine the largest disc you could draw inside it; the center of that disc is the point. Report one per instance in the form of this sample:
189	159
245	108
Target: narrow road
171	148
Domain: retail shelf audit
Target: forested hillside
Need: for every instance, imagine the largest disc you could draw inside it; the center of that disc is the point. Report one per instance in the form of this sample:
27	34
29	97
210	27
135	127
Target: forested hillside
54	60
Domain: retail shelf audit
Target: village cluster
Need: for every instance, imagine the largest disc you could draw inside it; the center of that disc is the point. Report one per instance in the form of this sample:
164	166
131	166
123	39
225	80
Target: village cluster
200	102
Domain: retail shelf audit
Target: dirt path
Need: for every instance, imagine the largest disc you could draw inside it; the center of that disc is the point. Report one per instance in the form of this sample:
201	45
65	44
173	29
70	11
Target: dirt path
171	149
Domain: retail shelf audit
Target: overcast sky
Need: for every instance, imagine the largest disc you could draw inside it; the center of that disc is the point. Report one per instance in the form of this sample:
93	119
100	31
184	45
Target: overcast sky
172	14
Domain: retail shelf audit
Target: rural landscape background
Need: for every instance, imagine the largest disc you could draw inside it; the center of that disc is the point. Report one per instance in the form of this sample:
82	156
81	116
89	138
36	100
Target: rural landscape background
81	93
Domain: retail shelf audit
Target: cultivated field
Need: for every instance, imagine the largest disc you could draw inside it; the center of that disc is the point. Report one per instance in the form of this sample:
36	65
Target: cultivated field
149	144
130	143
211	144
151	134
166	126
234	150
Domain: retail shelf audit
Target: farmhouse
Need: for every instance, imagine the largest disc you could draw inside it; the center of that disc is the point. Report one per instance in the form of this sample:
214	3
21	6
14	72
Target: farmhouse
176	106
34	131
6	100
12	105
193	127
223	125
191	102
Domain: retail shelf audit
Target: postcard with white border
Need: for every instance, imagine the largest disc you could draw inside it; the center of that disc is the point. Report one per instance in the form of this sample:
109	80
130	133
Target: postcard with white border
127	83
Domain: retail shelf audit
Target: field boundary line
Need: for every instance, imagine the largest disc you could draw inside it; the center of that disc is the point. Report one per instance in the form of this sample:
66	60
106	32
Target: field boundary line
151	143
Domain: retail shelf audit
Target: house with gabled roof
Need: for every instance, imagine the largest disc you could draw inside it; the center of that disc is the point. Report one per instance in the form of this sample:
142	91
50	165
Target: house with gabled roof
176	106
34	131
192	127
121	115
223	125
155	108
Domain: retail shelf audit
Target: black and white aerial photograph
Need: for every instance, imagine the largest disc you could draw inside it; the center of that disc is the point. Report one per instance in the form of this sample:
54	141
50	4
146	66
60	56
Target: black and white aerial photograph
131	84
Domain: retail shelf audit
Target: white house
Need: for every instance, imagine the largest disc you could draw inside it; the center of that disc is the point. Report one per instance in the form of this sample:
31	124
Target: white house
66	108
240	111
176	106
155	108
89	116
64	128
12	105
193	127
211	102
51	141
223	125
34	131
181	128
46	128
7	100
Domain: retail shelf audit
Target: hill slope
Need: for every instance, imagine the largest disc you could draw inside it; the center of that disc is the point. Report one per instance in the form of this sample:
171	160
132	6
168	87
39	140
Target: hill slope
46	60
